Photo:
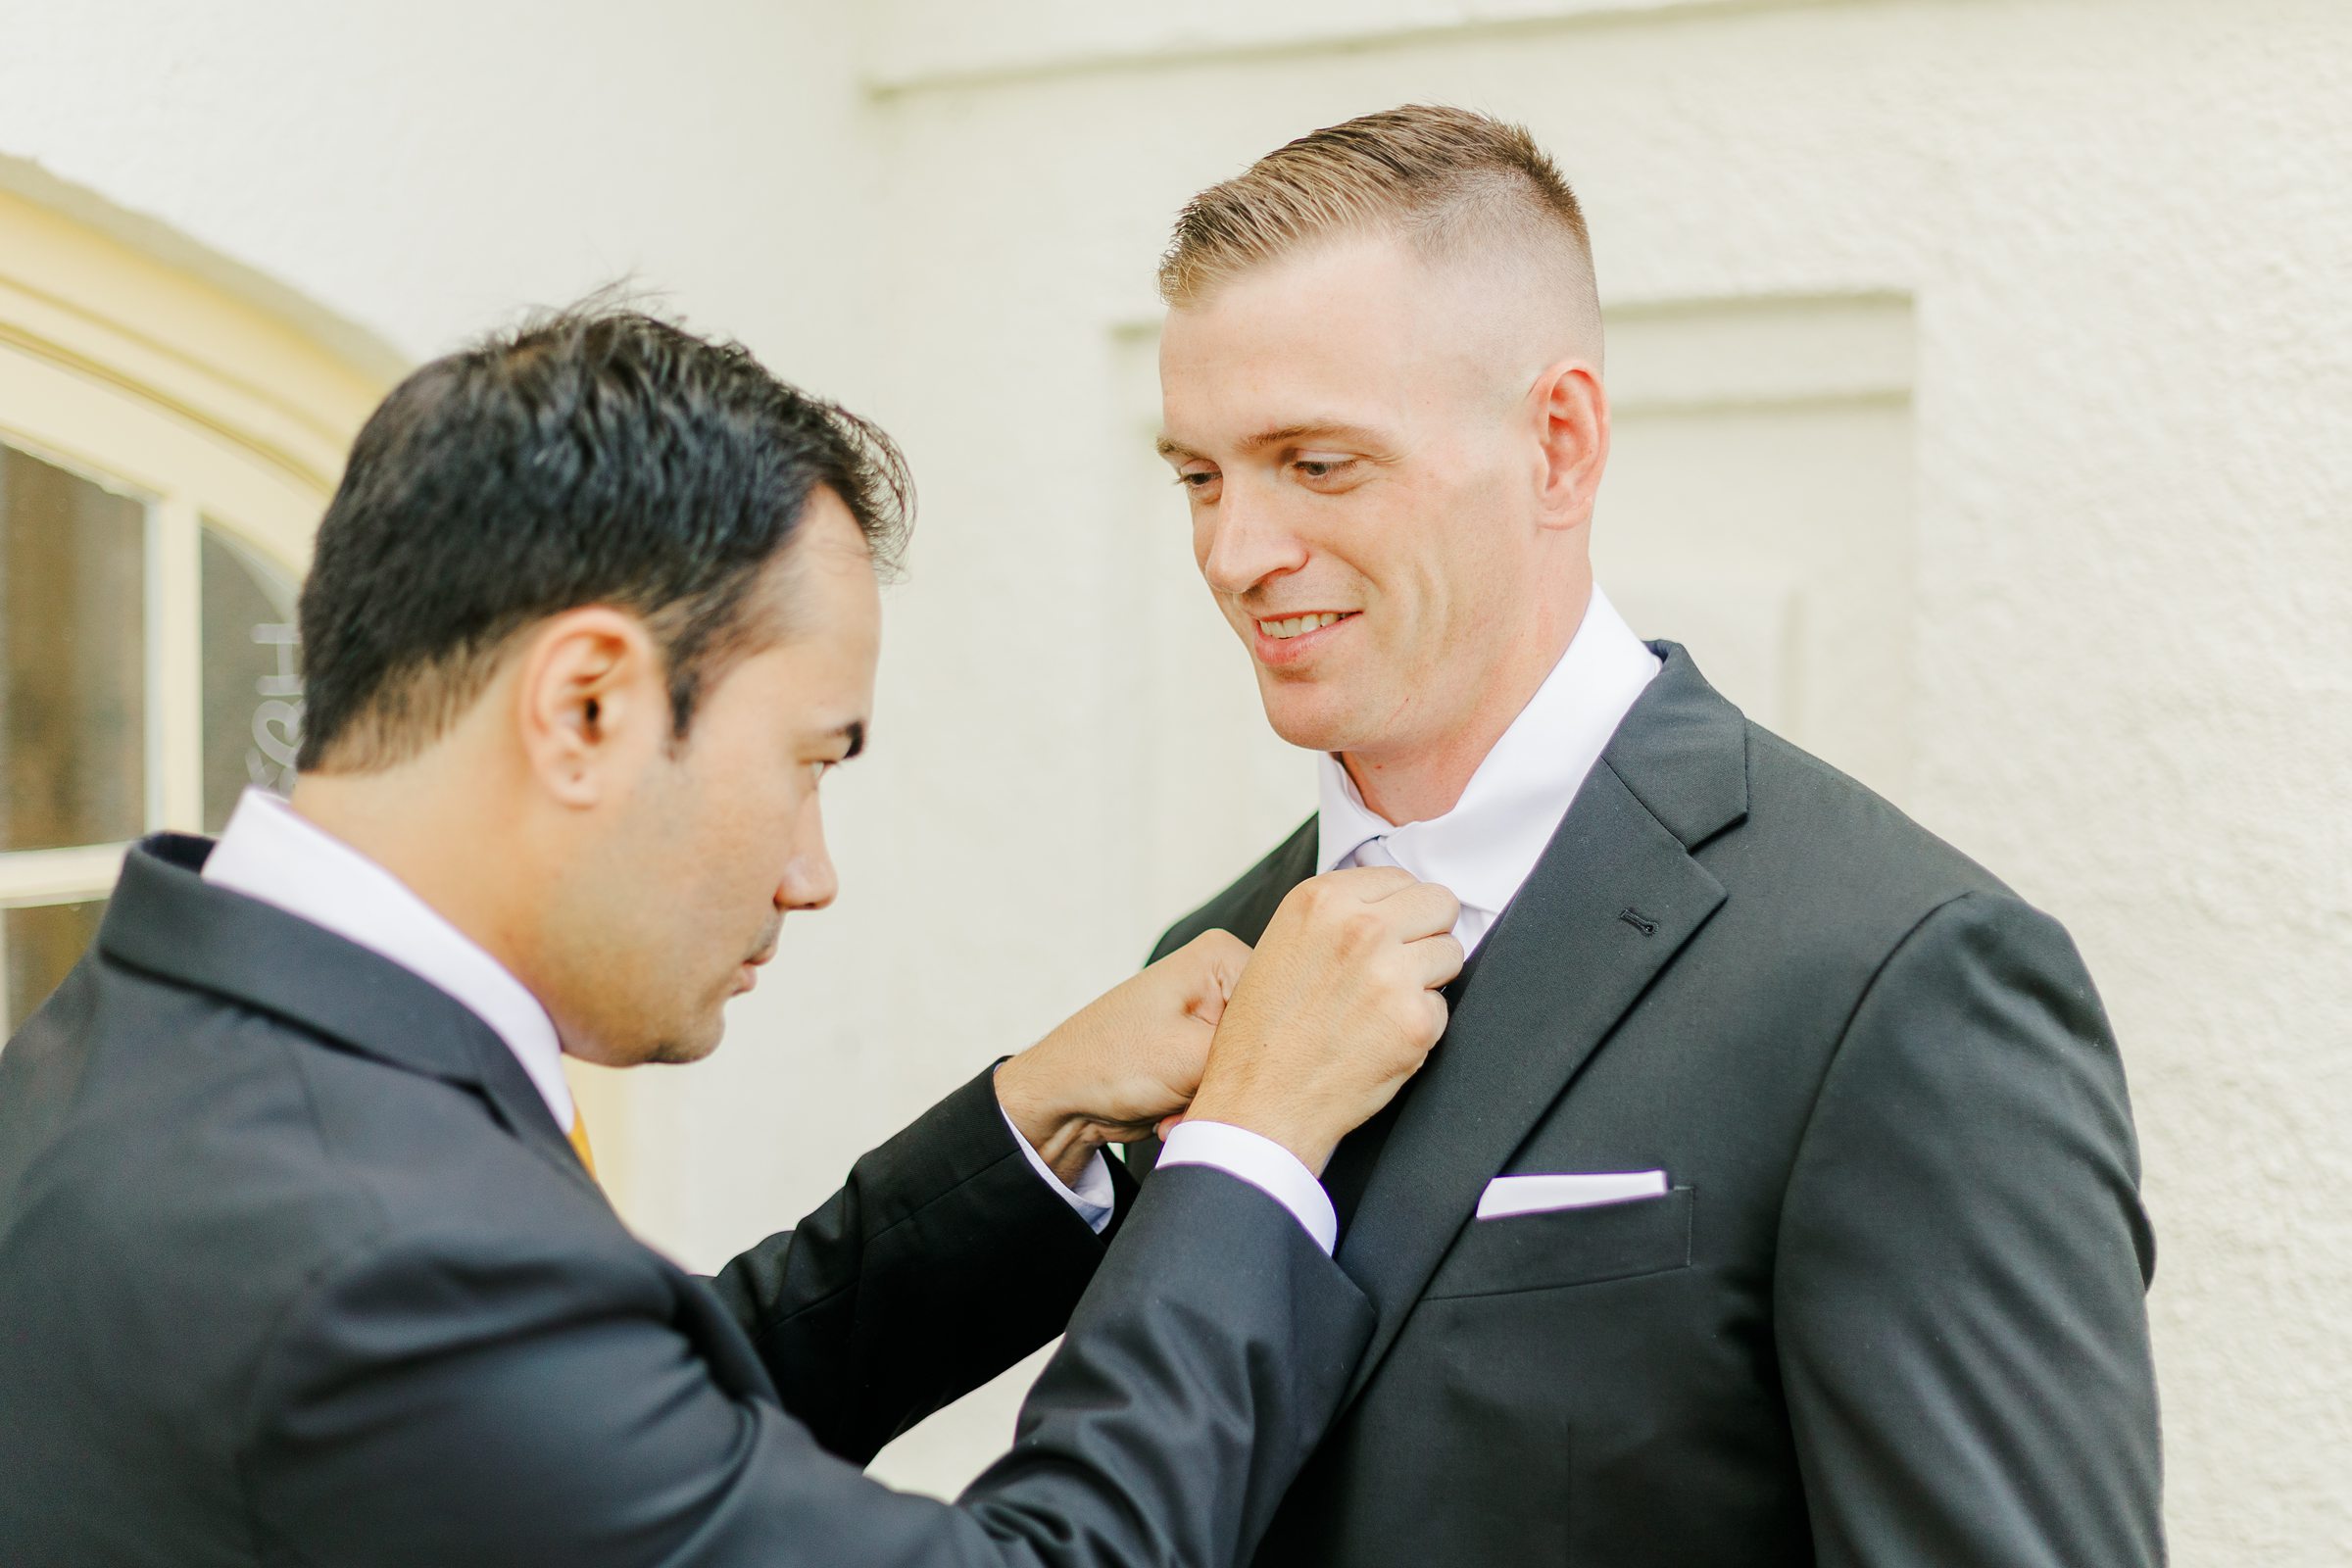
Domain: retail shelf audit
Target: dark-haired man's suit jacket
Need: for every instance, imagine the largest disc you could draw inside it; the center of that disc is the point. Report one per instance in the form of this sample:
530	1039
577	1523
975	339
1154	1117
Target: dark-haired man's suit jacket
295	1268
1891	1311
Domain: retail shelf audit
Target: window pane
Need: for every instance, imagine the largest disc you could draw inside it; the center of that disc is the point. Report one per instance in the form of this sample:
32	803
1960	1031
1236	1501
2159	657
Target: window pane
43	944
252	693
72	656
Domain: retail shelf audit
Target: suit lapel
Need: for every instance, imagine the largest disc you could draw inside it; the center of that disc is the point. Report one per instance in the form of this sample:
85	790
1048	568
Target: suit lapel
165	919
1611	903
518	1102
1245	907
1289	866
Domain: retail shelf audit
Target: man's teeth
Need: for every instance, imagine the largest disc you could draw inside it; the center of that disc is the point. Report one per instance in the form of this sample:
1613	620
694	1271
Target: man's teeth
1292	628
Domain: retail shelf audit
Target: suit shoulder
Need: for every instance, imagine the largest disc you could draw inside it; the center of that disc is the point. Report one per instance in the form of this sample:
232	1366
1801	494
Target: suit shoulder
253	1124
1843	874
1231	907
186	1106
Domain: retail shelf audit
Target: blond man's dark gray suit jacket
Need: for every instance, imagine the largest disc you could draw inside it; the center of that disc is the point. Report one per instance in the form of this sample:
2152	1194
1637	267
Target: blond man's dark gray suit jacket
1891	1310
295	1268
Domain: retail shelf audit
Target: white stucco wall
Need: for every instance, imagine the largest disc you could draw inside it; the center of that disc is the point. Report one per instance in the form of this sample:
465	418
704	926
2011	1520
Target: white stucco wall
421	168
2010	337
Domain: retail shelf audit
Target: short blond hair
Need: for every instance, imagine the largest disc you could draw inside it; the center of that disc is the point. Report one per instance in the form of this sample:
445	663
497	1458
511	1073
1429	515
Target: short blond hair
1455	184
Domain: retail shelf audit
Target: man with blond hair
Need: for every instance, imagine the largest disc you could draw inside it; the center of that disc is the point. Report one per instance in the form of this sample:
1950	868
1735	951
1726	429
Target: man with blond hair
1772	1194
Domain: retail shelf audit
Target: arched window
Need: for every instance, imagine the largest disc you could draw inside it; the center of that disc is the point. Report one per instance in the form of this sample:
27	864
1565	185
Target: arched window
165	451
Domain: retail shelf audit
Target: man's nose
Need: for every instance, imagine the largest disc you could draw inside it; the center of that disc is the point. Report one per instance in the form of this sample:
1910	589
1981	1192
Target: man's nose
810	880
1244	543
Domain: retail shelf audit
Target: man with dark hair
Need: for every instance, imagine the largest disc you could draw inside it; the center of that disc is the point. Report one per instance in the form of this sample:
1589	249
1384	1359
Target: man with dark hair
1773	1196
623	421
301	1257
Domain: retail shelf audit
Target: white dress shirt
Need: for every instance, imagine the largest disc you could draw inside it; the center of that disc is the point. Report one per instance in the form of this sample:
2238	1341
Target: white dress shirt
271	852
1483	849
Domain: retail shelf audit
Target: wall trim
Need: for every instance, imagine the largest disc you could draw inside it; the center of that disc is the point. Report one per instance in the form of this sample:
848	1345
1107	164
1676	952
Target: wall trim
915	47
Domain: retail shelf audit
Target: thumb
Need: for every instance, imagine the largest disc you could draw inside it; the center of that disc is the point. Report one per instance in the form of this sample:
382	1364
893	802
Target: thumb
1220	956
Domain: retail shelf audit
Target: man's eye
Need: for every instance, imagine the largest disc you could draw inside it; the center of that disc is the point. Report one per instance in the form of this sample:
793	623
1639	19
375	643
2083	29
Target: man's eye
1322	467
1197	479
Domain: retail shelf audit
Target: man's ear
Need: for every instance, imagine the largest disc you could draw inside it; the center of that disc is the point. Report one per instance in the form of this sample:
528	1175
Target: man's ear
591	699
1570	408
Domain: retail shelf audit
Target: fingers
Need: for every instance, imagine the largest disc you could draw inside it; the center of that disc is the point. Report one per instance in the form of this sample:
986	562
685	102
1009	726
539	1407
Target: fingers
1368	883
1220	955
1436	959
1408	907
1421	910
1211	965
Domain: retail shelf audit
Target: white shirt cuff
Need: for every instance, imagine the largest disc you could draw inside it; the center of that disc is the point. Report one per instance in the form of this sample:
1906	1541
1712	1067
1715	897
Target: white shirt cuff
1093	1198
1261	1163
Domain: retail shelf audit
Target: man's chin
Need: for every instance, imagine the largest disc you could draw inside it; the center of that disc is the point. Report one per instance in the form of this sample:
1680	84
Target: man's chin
677	1053
685	1045
1310	718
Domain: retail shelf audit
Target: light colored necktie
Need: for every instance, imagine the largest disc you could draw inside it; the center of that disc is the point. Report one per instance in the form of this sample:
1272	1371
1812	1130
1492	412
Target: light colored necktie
579	1142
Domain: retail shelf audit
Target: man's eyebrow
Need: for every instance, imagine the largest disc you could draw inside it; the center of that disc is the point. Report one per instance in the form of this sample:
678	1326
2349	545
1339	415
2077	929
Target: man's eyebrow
1331	429
1284	435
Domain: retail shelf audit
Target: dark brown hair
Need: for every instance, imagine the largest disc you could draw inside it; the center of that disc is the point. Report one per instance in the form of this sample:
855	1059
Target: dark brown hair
596	455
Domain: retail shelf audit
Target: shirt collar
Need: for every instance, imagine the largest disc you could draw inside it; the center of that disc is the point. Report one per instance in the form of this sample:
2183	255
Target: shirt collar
271	852
1483	849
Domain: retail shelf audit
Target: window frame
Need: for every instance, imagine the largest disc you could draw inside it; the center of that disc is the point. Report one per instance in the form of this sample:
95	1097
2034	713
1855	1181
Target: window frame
149	381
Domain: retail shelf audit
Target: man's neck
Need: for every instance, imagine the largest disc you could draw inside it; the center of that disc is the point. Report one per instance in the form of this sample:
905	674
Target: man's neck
1427	779
382	816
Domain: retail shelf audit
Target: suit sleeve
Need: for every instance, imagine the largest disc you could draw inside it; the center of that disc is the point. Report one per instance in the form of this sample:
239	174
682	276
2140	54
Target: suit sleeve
844	1309
464	1402
1963	1261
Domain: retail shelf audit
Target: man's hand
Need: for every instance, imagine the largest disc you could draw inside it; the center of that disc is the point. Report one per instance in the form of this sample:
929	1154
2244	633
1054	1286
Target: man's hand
1127	1061
1337	1008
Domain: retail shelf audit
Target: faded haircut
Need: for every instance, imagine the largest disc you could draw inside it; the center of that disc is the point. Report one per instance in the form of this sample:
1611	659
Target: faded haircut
1457	184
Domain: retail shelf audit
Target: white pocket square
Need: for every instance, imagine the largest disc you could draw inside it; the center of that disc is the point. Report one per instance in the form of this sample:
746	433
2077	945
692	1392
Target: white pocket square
1506	1196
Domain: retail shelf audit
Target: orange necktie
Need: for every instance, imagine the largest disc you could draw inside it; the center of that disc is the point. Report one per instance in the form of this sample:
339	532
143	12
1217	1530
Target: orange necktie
580	1143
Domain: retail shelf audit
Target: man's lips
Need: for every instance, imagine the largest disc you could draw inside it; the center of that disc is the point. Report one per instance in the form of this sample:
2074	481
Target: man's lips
1279	640
747	974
